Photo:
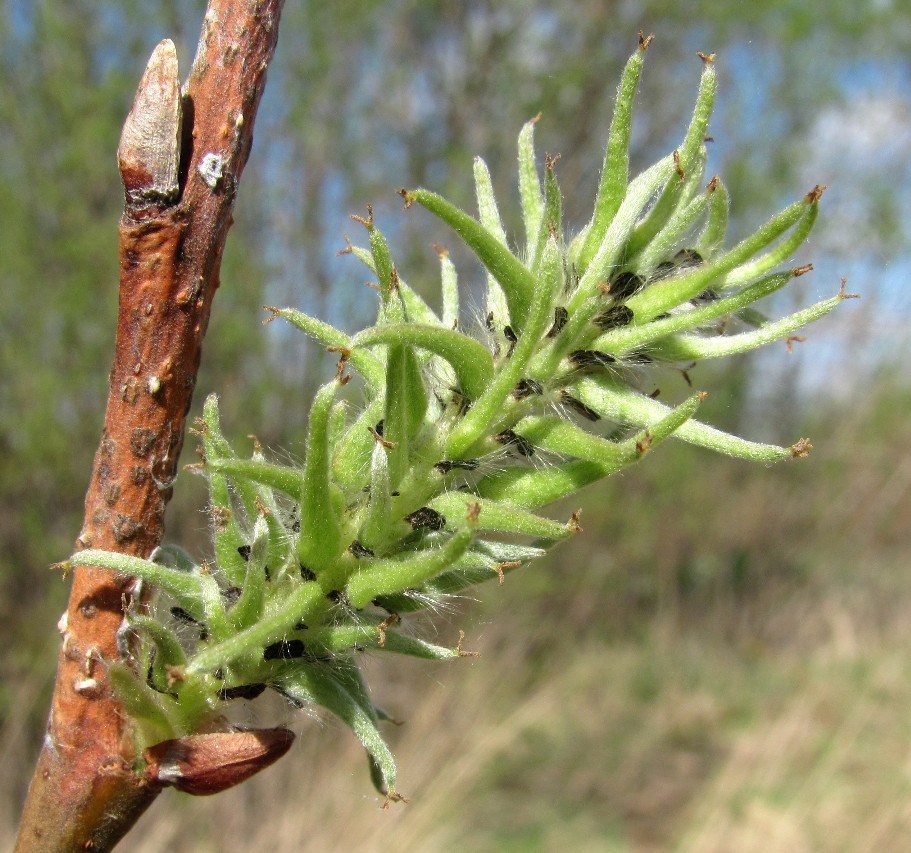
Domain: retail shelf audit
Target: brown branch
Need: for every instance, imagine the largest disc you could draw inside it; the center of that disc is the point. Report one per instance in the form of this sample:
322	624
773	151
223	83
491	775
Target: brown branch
84	794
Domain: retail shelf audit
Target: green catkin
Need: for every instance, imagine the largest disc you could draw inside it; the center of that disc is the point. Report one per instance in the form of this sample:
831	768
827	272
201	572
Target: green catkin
513	277
552	221
227	535
689	163
450	286
249	607
392	575
458	443
320	500
620	341
497	305
666	294
615	171
471	360
530	188
487	407
716	225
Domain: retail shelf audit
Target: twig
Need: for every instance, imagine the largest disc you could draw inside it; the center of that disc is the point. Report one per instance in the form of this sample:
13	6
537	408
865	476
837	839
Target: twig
181	186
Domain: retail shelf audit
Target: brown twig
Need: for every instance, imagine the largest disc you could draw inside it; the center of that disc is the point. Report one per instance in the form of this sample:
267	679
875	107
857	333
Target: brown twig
180	192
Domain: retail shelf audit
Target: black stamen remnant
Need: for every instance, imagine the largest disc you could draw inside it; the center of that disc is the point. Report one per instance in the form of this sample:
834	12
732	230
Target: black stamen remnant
426	518
245	551
625	285
526	387
579	407
448	465
231	594
706	296
378	429
513	439
689	258
307	574
184	616
285	650
614	318
510	336
243	691
359	550
685	259
337	596
489	322
462	401
561	315
583	358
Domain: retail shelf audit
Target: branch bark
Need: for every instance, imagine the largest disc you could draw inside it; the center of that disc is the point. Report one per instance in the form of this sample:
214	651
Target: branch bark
180	188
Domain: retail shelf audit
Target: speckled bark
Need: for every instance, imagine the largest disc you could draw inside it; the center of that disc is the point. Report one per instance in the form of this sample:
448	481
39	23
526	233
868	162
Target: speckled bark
84	795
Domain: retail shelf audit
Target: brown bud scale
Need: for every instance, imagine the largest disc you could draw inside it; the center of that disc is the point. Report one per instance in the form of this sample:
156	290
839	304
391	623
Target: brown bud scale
149	150
208	763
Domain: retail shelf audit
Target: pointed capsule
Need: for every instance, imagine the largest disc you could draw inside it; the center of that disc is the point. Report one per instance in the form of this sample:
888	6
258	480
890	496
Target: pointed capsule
530	187
319	501
615	171
514	278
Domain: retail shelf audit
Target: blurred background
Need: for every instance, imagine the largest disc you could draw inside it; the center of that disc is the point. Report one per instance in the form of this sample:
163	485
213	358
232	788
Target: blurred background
721	661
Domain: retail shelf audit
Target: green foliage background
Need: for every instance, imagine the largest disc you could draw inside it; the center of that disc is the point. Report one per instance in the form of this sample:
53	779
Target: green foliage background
702	585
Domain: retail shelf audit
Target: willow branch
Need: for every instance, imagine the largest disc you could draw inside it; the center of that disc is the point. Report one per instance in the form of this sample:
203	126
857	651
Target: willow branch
181	159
